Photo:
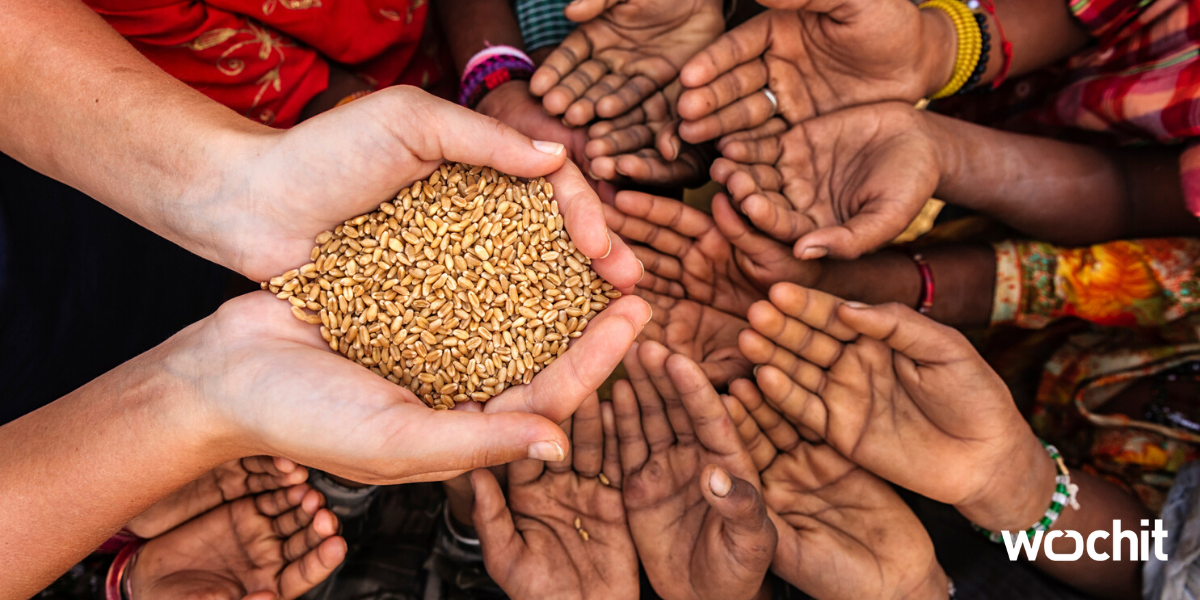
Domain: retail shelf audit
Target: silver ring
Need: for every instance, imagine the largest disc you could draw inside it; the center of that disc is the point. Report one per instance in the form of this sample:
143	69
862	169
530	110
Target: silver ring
774	102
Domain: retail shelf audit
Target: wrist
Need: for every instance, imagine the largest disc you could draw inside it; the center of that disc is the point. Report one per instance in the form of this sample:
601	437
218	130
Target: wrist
941	131
935	586
939	48
1018	493
496	101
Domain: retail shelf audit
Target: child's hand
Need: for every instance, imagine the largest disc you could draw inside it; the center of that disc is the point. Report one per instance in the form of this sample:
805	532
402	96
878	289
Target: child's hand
691	489
816	58
274	546
532	548
704	334
686	255
643	145
896	393
225	483
840	184
831	514
621	53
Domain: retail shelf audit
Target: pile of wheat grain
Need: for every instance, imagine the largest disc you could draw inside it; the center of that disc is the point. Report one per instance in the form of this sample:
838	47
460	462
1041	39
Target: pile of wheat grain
465	284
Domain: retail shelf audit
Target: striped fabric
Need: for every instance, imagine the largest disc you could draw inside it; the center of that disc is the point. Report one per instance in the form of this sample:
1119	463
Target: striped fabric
1138	83
542	22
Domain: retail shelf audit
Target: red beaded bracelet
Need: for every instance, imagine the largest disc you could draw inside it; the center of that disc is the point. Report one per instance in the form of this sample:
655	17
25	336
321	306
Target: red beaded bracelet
925	300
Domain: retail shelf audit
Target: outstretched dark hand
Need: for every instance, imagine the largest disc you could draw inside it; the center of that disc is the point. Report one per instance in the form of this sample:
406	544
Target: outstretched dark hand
702	333
687	255
817	57
536	546
225	483
841	184
832	515
690	487
893	391
643	145
621	53
274	546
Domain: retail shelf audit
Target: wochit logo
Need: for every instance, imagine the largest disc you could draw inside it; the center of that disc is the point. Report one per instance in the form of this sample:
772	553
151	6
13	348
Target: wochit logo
1139	546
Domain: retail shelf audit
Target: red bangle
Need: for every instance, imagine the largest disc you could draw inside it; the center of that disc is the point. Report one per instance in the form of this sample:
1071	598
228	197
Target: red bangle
989	7
925	300
113	584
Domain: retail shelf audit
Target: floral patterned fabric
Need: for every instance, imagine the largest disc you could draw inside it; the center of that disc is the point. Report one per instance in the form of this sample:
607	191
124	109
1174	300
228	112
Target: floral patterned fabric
267	58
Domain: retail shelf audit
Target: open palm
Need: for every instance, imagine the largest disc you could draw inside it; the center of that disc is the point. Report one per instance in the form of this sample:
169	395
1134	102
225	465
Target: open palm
905	397
702	333
817	57
621	53
532	548
842	184
690	487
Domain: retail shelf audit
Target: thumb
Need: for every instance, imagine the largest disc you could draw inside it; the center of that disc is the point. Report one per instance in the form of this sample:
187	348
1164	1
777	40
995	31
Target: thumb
581	11
439	130
906	331
878	222
493	522
749	532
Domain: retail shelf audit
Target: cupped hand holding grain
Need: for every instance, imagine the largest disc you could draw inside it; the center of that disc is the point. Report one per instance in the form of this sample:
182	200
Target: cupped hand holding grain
291	185
690	486
563	532
267	384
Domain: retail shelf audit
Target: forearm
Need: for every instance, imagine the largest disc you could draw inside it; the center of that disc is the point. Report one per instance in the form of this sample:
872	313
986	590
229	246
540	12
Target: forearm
1059	192
1042	33
963	275
79	104
78	469
476	24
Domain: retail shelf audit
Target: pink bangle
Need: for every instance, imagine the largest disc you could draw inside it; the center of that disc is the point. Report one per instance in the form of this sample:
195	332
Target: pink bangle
114	583
925	300
489	52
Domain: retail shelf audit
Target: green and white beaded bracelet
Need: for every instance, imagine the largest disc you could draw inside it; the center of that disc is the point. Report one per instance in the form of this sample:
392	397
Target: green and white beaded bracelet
1065	494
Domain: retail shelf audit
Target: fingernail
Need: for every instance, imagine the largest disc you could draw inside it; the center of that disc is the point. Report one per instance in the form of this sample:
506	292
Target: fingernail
756	368
643	275
855	305
592	174
551	148
649	318
546	451
675	147
813	253
719	482
609	249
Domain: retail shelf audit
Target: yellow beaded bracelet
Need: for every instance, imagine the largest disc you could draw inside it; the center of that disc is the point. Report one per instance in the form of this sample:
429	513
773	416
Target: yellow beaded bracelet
970	43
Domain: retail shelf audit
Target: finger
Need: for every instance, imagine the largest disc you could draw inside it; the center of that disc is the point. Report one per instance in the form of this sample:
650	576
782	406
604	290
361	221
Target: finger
659	285
277	502
761	151
876	224
573	50
572	87
587	438
761	351
777	430
582	111
322	526
799	405
655	426
814	308
458	134
749	534
721	372
741	44
648	167
761	450
774	215
619	141
664	212
657	263
582	11
656	235
742	180
778	333
262	482
739	82
632	448
908	332
630	94
774	126
704	408
584	219
599	129
612	458
558	389
301	516
314	567
524	472
498	537
751	244
667	141
654	358
746	113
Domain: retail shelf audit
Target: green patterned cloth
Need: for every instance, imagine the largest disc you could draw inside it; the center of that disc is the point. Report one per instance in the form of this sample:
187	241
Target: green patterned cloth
542	22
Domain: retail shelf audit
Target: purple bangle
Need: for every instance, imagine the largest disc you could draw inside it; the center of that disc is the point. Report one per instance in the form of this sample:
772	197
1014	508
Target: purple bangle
490	74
